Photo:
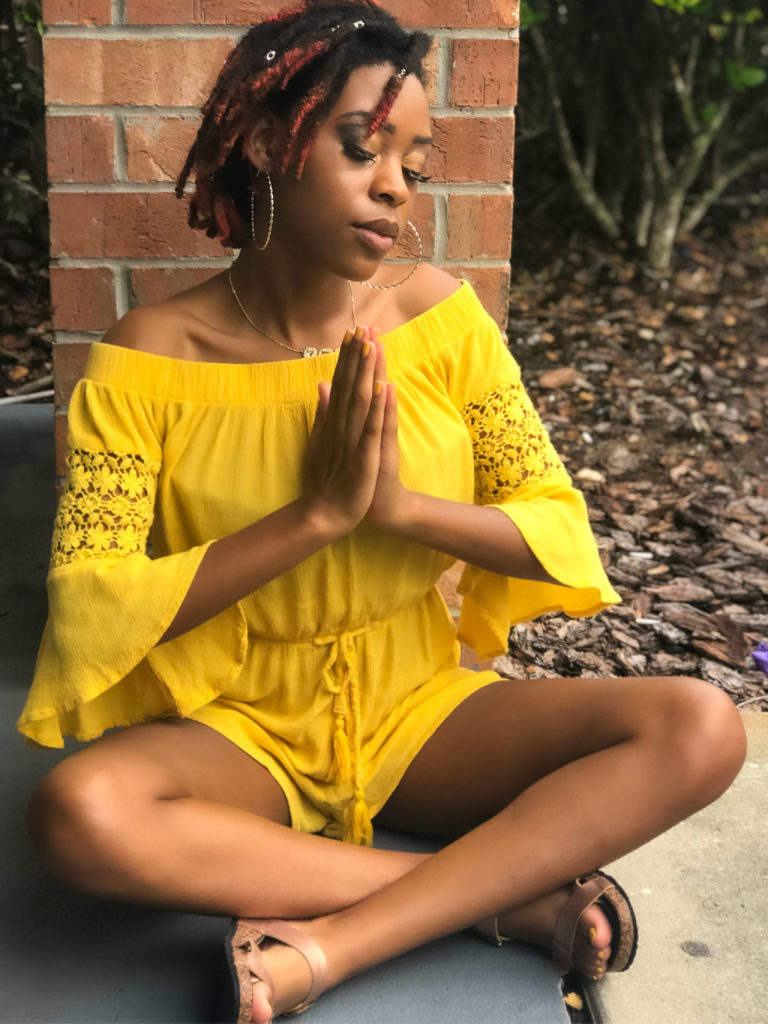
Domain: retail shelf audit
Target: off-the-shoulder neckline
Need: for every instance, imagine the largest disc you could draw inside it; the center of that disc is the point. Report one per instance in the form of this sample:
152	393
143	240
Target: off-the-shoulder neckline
439	307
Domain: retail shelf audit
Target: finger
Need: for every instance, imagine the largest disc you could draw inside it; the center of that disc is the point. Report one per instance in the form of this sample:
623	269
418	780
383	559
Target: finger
381	358
344	378
390	414
370	441
360	398
323	396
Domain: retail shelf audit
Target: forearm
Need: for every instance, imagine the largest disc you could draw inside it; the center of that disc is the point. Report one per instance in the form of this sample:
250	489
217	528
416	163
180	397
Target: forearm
480	535
235	566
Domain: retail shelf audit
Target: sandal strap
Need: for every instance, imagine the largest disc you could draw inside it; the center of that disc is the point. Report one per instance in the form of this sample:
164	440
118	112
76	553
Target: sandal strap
309	949
489	929
586	892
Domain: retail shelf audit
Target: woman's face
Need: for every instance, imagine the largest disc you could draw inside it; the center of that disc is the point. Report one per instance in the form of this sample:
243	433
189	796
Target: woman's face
356	193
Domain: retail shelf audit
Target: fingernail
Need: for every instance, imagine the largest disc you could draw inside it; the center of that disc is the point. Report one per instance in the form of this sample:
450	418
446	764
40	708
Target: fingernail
366	348
347	337
378	387
358	333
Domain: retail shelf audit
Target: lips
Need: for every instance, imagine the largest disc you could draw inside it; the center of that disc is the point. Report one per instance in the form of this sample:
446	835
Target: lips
378	236
388	228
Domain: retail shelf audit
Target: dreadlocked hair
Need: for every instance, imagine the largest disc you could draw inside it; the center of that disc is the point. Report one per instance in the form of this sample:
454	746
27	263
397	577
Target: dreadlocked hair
294	65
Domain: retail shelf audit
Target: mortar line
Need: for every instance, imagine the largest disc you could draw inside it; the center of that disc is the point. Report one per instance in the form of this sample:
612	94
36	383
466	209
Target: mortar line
121	152
74	109
121	30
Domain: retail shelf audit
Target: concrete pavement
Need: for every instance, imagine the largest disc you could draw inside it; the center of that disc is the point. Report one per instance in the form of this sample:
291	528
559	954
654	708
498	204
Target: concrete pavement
699	890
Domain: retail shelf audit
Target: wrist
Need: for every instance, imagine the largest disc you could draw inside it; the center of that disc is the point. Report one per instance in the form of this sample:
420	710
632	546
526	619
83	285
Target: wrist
321	520
405	513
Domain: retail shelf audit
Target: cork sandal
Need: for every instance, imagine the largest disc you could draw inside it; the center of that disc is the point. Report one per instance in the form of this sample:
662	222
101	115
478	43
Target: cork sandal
246	964
596	888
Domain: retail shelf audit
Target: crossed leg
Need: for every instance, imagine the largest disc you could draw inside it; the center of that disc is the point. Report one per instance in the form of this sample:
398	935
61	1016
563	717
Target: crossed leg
541	780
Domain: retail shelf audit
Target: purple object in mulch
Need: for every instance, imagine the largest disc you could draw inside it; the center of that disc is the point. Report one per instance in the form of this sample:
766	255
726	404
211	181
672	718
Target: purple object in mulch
760	656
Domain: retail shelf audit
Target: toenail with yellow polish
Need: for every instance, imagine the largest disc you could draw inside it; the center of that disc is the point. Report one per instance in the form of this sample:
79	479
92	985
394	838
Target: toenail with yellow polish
601	955
592	934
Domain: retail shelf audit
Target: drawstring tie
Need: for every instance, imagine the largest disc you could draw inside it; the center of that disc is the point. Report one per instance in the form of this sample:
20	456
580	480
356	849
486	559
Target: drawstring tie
340	677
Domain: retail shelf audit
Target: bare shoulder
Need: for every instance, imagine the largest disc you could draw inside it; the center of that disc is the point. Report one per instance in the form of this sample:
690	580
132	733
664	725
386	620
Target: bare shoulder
157	328
428	286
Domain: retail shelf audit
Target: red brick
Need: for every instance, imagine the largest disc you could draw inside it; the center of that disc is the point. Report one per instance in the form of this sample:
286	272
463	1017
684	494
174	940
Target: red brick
77	12
479	227
60	439
80	148
69	359
142	72
492	287
455	13
484	72
153	284
424	219
414	13
430	66
83	298
199	12
476	149
125	224
157	146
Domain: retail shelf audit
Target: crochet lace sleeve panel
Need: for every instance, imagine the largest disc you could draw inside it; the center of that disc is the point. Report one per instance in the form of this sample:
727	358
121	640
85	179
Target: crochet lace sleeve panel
107	507
510	443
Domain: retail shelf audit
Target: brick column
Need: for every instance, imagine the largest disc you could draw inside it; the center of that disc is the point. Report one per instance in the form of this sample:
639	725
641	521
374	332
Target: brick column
124	81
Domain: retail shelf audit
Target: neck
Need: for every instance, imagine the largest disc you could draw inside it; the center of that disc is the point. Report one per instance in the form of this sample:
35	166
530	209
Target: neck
298	304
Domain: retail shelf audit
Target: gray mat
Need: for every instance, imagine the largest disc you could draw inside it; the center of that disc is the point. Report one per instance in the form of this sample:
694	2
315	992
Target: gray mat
68	957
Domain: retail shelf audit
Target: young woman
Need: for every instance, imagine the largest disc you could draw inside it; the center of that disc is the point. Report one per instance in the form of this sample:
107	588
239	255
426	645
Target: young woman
282	668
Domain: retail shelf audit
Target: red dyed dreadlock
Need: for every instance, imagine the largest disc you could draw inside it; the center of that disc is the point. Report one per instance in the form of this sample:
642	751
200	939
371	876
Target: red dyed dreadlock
294	64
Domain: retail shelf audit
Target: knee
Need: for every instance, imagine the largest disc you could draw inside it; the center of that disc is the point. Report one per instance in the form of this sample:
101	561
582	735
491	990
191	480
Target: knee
701	731
73	822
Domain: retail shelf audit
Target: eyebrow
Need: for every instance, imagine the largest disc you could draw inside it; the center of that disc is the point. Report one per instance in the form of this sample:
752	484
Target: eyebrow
420	140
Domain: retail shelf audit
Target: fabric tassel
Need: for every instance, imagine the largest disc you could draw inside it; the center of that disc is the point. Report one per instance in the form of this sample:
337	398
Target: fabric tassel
341	765
362	829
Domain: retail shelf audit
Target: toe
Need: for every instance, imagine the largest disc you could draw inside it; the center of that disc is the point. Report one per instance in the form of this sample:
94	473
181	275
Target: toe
594	925
587	958
262	1005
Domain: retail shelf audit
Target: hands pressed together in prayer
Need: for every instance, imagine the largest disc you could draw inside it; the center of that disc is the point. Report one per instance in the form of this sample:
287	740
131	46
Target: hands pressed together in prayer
351	470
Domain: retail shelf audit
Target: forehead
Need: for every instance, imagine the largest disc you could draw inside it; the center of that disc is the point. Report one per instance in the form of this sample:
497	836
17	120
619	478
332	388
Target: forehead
363	92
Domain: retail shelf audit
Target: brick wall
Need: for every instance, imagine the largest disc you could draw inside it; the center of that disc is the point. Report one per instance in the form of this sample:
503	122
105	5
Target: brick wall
124	81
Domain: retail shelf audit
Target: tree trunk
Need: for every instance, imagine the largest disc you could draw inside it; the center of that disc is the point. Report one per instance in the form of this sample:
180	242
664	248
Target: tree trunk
663	231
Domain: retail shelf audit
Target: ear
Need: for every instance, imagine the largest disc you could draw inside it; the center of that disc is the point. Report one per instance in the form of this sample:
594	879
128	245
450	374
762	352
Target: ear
263	143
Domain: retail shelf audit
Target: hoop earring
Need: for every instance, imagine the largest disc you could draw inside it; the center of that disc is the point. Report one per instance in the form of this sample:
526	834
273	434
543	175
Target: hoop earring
271	214
411	272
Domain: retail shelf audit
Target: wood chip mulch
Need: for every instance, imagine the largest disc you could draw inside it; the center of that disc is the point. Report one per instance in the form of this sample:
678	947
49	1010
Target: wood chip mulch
655	391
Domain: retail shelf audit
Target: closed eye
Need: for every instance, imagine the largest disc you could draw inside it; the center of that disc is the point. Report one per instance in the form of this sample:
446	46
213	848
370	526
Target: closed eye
362	155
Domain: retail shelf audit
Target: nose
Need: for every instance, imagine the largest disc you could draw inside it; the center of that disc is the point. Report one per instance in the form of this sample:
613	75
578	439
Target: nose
389	182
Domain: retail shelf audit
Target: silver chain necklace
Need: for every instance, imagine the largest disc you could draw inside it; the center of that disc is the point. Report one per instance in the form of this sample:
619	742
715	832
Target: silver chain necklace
305	352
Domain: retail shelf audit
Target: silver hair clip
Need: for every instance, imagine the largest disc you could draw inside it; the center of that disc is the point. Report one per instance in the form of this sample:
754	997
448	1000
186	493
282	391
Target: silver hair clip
271	55
358	24
401	73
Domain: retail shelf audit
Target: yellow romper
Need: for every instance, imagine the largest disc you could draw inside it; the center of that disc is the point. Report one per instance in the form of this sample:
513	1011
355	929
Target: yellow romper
334	675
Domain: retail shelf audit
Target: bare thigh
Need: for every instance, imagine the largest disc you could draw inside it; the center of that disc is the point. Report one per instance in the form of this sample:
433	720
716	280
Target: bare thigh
512	733
171	759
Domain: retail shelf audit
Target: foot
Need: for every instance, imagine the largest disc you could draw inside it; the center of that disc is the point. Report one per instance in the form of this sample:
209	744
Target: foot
290	975
535	922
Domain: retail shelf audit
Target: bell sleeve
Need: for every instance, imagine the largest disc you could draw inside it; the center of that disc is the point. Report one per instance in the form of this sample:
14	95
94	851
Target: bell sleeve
109	602
518	471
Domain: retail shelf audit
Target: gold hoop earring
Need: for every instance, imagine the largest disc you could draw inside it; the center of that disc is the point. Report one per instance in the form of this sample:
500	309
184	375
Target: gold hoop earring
411	272
271	214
